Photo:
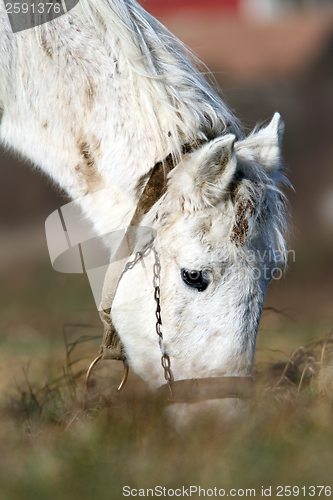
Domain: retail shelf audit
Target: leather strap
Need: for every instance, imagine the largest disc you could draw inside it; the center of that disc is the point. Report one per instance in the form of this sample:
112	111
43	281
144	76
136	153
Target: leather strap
157	184
154	189
202	389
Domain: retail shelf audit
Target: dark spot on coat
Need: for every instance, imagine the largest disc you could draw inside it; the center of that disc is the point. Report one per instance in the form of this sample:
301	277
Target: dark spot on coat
45	46
115	62
87	154
87	169
90	91
101	22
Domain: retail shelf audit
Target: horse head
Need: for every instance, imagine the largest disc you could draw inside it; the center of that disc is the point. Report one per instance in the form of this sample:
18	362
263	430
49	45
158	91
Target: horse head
219	240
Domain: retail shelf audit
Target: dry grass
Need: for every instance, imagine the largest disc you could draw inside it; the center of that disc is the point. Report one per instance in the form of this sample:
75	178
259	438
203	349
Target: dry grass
54	446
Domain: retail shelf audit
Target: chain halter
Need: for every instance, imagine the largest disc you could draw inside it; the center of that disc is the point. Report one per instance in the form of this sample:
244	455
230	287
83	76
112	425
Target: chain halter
111	340
141	254
165	359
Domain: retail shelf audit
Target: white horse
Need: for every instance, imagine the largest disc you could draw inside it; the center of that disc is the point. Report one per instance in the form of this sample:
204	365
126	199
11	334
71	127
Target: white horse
96	99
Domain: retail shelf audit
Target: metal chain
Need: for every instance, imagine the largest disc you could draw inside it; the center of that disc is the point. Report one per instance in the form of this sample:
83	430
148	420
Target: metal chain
165	359
141	254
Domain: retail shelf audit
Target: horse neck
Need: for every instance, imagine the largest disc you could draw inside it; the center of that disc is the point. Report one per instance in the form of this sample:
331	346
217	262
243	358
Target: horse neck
78	117
89	110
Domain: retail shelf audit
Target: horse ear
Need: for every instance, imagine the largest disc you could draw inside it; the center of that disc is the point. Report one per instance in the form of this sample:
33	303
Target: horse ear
215	168
265	145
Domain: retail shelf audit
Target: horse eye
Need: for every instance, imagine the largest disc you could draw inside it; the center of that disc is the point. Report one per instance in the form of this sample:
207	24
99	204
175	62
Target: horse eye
195	279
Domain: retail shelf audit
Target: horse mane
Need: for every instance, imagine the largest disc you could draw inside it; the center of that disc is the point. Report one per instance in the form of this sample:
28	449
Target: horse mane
182	106
178	103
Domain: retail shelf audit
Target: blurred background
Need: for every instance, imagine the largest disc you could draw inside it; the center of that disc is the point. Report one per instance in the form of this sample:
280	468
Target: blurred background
266	56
